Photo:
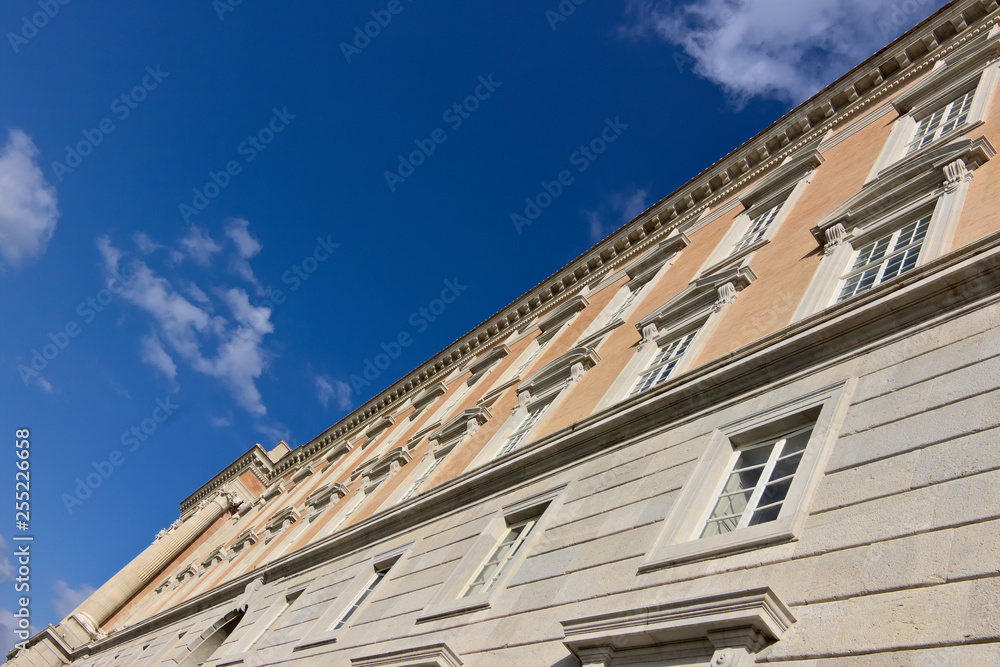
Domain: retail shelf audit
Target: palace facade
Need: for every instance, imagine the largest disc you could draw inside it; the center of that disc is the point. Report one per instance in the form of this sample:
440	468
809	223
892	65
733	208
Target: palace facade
760	423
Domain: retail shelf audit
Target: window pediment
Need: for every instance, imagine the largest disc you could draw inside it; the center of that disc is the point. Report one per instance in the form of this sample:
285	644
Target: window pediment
379	426
915	175
281	520
338	451
956	67
646	266
733	622
217	556
782	179
302	474
428	396
377	469
435	655
699	298
486	362
412	443
247	538
320	499
559	372
550	324
463	425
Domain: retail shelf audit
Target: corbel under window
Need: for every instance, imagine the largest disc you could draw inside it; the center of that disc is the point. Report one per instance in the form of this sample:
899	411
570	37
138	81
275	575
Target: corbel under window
246	539
322	498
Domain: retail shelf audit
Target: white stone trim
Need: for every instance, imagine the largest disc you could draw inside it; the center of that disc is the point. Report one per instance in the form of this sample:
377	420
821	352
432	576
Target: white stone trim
447	601
959	73
435	655
321	632
935	180
678	542
736	625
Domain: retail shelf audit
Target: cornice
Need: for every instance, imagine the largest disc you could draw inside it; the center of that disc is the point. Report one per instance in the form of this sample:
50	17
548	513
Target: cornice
860	90
255	460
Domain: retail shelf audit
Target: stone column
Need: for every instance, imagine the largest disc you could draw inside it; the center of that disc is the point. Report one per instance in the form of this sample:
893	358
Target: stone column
84	623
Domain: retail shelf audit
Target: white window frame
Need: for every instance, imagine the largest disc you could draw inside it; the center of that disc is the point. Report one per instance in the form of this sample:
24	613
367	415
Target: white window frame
449	600
680	539
502	559
260	628
780	190
891	251
325	629
777	452
429	467
675	360
697	309
974	67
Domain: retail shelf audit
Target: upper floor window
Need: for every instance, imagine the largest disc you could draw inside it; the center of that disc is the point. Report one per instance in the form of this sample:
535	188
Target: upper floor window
758	226
423	478
756	488
522	431
501	556
626	304
942	120
667	357
885	258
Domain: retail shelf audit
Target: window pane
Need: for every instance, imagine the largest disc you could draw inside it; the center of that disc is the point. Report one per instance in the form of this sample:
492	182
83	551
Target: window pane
765	515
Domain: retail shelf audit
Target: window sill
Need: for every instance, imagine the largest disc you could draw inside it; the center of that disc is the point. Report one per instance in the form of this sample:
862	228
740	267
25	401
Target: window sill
735	258
315	641
435	612
775	532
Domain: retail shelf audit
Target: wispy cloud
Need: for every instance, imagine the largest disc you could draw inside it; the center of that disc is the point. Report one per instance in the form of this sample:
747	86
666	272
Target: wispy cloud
247	247
220	422
228	348
619	209
28	204
197	246
328	389
773	48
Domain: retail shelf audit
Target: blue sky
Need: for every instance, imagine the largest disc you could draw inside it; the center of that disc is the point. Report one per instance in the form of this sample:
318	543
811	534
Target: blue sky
212	215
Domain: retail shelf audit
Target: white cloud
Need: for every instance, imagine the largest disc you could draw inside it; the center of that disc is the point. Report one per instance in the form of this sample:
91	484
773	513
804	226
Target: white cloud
154	355
28	204
198	246
620	208
229	349
781	49
327	389
220	422
145	244
67	599
274	432
8	623
247	247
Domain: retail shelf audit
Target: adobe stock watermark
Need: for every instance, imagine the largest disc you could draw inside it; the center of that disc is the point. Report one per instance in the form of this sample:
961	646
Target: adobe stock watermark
420	320
363	35
131	440
122	107
248	149
581	159
59	340
31	24
454	116
223	7
903	15
294	277
562	12
726	17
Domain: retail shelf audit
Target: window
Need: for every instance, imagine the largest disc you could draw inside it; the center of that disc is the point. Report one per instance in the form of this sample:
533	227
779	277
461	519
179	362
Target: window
500	558
663	363
212	640
360	599
756	488
423	477
758	226
885	258
944	119
348	602
519	434
493	558
623	308
527	362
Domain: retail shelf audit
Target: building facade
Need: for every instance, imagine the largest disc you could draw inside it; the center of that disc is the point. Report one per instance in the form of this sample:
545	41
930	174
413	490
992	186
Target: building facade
758	424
